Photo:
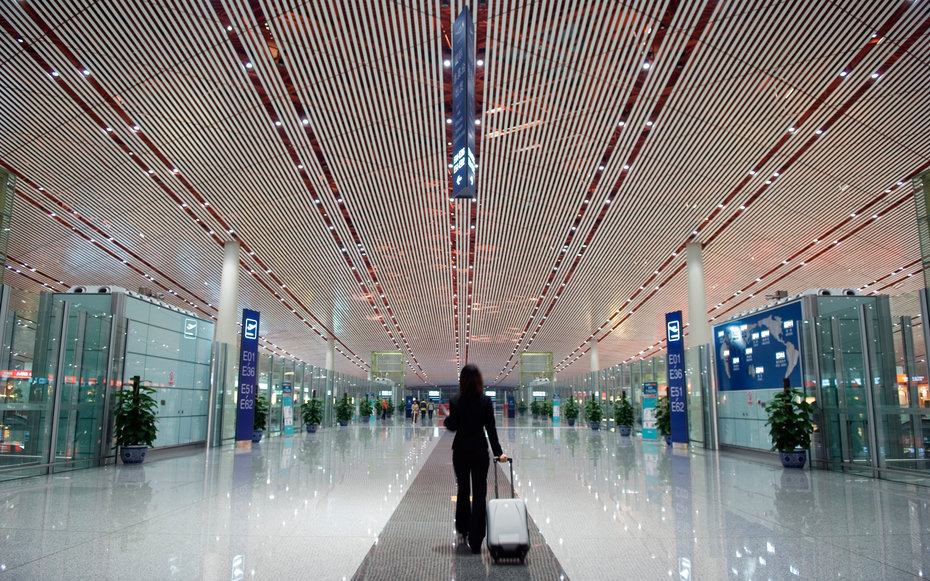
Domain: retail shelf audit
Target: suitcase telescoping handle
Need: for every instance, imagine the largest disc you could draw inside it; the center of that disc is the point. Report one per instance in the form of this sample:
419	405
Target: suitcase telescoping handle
512	493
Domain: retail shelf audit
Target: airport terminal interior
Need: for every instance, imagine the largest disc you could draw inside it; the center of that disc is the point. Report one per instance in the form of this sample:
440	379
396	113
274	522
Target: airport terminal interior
684	242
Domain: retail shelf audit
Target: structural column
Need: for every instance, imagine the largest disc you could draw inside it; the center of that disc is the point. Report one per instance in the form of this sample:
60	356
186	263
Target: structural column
221	413
228	314
698	329
595	364
702	399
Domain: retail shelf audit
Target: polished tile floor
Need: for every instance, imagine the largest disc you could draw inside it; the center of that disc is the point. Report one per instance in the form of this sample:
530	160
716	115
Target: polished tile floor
312	507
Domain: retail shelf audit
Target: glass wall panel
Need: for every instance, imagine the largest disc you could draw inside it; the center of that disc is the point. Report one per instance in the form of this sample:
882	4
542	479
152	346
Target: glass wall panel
25	430
22	408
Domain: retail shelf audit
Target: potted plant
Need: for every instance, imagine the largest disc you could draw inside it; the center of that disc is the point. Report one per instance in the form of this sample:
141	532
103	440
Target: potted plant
571	410
547	409
664	419
593	413
364	410
260	419
790	425
311	411
623	413
521	407
134	419
344	410
534	409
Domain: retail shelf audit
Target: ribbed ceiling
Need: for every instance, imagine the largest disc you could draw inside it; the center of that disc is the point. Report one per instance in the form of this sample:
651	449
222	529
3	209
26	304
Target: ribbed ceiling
782	135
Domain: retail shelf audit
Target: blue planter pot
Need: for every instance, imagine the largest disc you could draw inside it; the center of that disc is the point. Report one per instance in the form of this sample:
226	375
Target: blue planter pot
625	430
132	454
795	459
595	425
344	422
257	435
311	427
571	422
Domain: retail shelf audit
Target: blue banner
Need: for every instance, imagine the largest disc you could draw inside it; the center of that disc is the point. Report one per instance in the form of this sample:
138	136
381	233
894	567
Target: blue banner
677	398
760	350
463	106
248	367
650	395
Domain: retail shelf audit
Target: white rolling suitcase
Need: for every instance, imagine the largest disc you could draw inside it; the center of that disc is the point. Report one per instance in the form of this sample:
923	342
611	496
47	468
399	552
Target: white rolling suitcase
508	528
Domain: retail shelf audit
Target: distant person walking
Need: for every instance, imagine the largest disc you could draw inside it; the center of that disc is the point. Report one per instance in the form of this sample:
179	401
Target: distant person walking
471	414
429	410
383	408
415	411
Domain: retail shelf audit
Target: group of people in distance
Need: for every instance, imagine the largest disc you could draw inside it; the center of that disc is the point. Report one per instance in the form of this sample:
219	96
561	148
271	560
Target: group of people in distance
424	407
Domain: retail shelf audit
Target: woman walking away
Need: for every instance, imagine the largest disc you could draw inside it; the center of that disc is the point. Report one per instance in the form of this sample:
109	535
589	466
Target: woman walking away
470	415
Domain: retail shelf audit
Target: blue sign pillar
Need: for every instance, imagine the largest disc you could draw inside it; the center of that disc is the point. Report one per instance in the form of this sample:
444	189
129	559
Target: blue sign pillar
248	367
677	401
463	106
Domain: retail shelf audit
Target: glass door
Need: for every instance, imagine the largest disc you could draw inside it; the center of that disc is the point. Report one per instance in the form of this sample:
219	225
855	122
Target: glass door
82	389
844	390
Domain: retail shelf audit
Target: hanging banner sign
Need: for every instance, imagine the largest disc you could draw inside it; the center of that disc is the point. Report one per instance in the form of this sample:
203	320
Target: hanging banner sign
248	368
677	401
650	396
287	407
463	106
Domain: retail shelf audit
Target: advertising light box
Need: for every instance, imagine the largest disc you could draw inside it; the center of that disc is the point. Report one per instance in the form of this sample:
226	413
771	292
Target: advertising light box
758	351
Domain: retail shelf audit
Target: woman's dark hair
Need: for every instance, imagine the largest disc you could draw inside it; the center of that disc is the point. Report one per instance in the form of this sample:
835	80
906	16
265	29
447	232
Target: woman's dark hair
470	382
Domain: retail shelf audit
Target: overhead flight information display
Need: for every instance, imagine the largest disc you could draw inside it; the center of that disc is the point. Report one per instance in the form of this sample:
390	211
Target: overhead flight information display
463	106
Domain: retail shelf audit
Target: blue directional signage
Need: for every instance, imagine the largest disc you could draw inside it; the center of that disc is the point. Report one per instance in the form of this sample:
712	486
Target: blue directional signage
760	350
463	106
677	400
248	368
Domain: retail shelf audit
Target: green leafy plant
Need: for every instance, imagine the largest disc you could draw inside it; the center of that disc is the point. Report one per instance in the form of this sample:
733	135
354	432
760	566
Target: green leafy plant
521	407
260	419
789	420
364	408
592	410
135	418
623	411
571	409
311	411
344	408
390	407
546	409
534	407
663	416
